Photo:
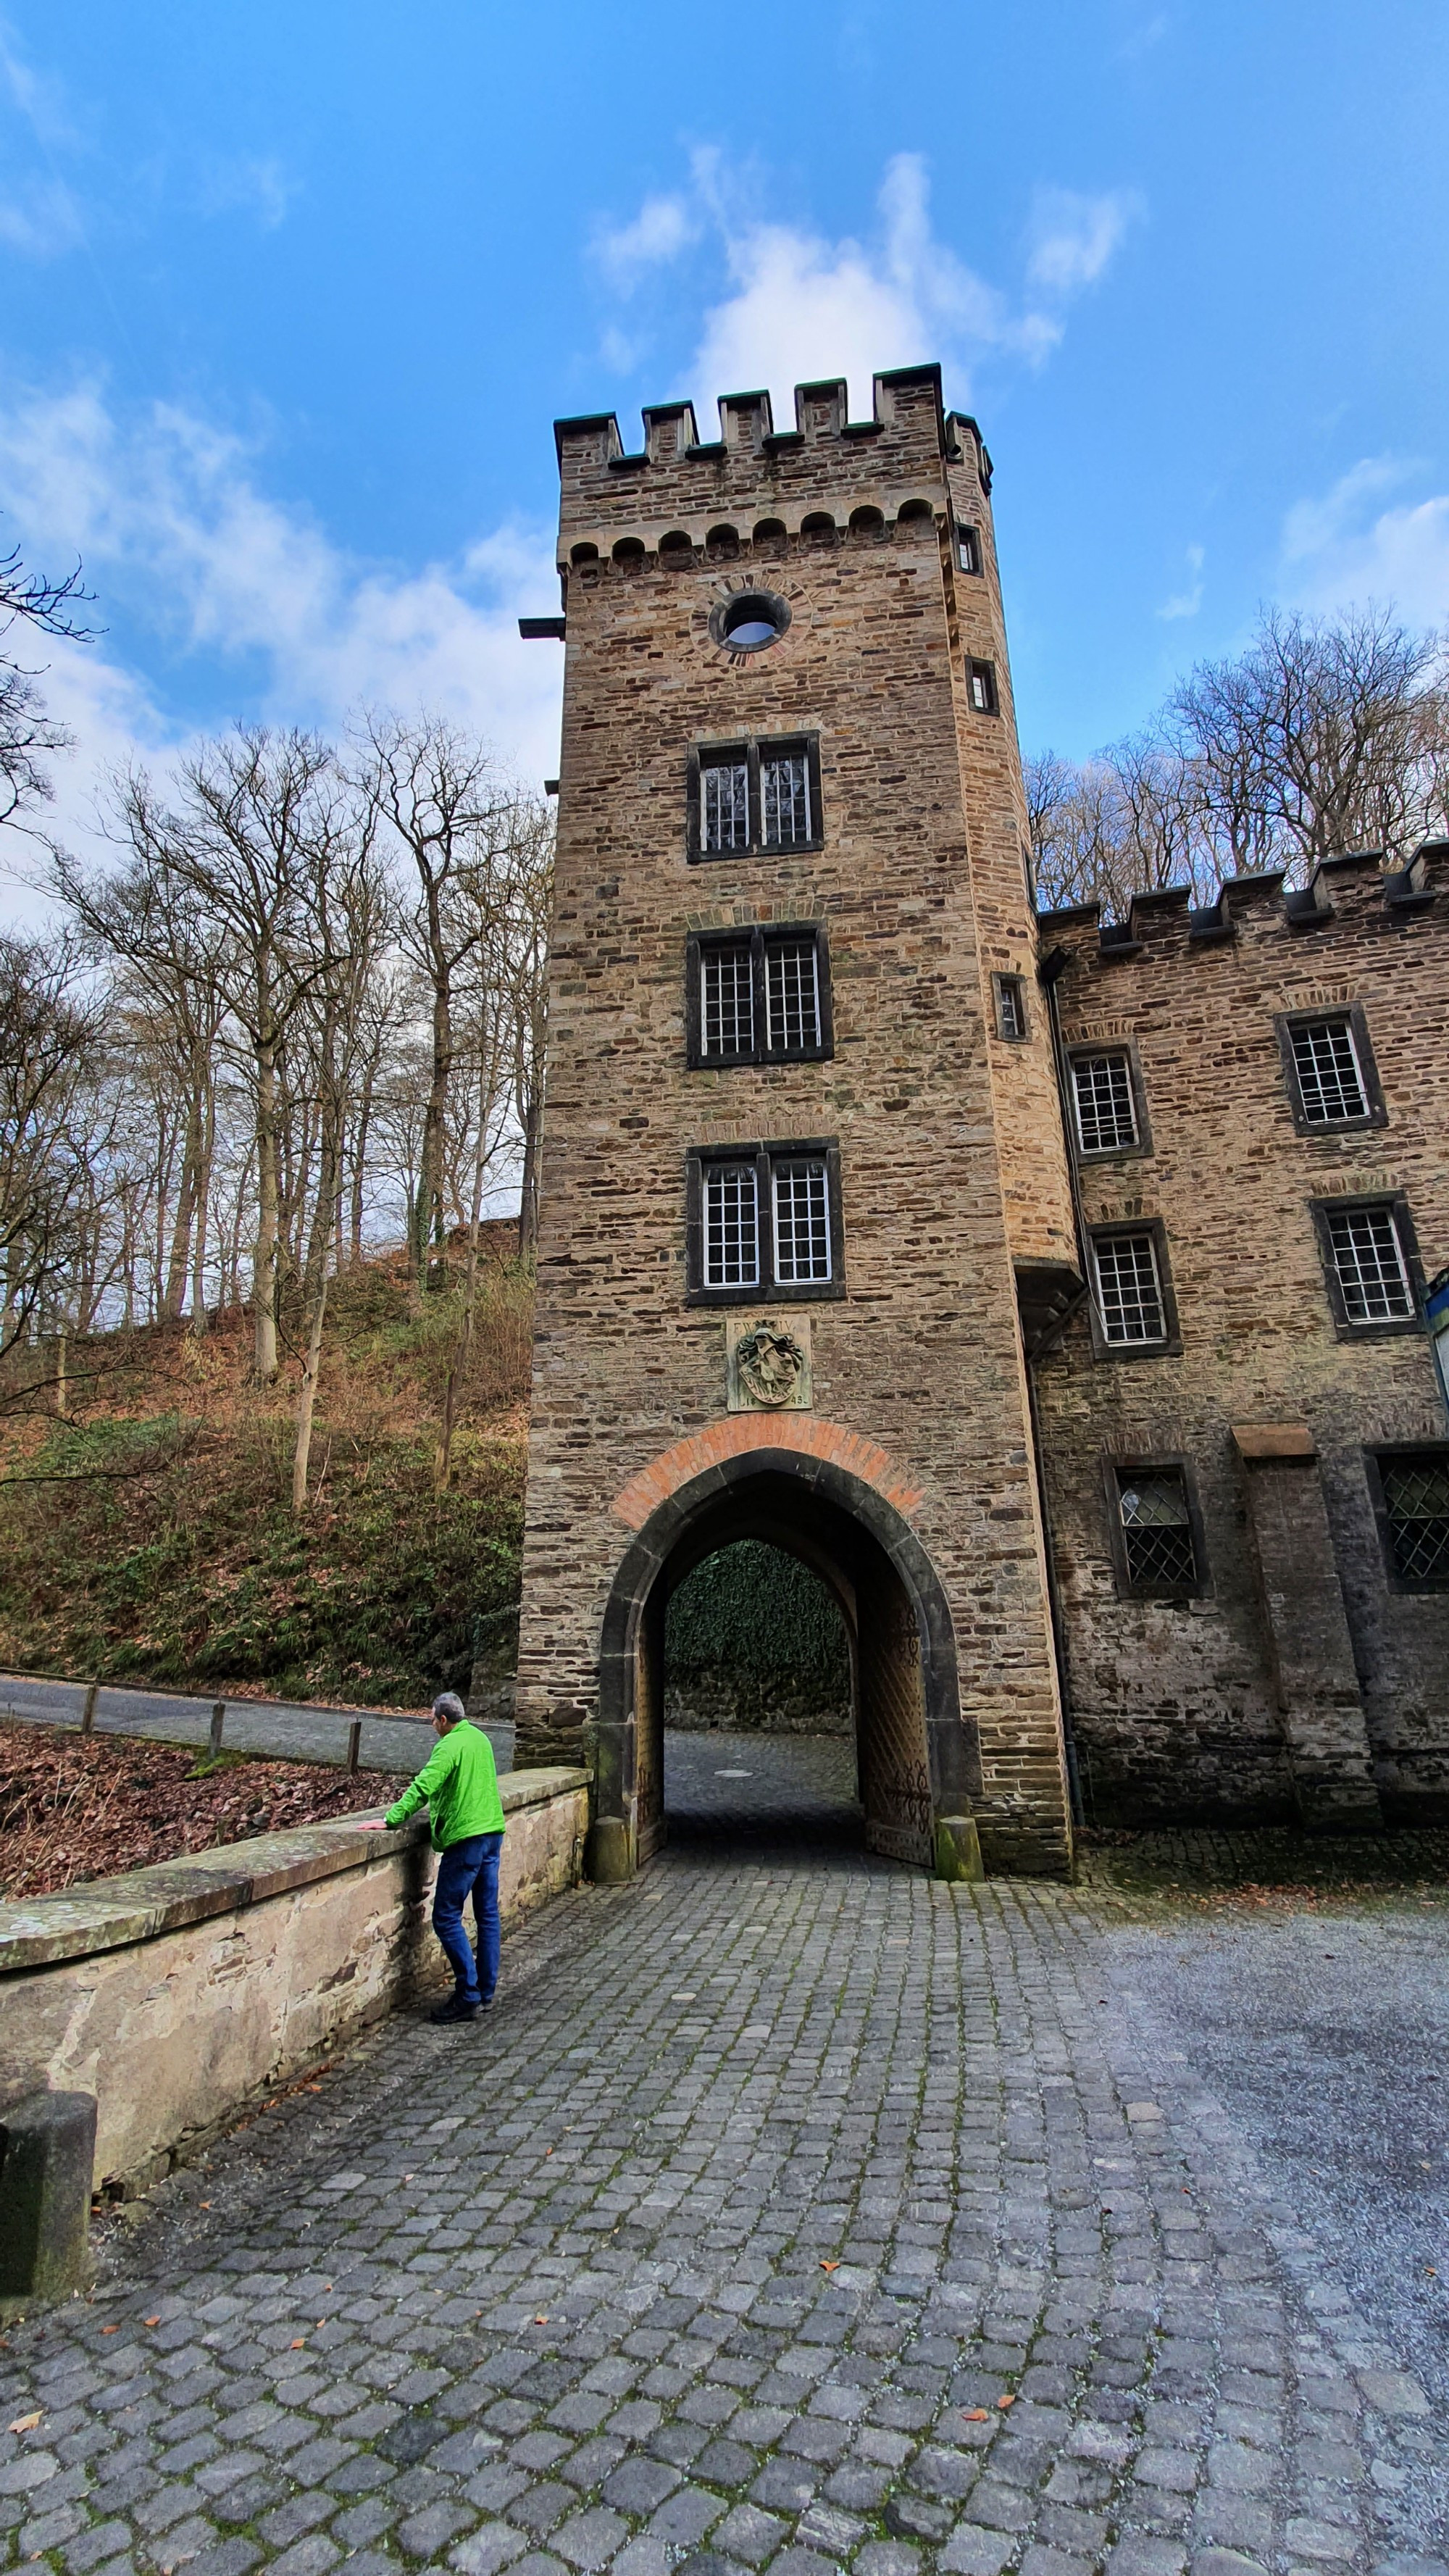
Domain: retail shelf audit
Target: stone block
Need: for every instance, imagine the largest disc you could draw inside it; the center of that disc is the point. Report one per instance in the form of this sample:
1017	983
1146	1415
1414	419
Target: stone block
47	2151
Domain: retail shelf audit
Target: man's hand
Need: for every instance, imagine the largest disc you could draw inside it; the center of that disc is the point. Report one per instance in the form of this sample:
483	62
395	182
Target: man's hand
372	1824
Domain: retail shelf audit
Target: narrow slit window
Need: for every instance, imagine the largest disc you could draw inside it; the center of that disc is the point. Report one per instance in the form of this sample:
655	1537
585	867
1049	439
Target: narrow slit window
1129	1289
802	1221
1106	1116
785	799
724	796
792	995
1010	1007
1157	1535
981	687
1368	1259
727	999
968	547
1416	1510
1330	1079
731	1226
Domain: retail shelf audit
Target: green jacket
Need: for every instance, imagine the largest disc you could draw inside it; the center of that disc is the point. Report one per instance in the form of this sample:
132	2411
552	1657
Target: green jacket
460	1783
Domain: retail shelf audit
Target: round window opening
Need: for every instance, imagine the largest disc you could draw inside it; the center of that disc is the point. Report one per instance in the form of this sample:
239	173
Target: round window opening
750	621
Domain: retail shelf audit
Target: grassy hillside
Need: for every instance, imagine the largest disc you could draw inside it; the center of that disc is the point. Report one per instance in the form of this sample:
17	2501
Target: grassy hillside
148	1536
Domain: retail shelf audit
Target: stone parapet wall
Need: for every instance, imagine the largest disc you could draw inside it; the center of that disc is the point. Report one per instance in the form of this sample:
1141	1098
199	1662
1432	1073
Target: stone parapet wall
177	1995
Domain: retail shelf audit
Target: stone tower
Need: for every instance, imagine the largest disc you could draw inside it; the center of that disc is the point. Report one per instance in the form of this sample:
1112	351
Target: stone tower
805	1202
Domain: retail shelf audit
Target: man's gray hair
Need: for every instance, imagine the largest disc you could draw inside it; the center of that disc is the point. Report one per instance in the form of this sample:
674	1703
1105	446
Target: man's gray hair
448	1705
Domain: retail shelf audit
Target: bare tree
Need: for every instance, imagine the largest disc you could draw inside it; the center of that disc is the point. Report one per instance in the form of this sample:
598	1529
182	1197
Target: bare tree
440	795
47	1036
31	603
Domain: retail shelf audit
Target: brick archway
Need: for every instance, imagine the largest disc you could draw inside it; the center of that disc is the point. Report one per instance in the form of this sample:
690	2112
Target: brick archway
755	1476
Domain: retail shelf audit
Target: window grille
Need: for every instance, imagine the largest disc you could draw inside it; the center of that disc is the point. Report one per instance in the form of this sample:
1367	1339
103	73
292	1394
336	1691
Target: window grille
968	548
792	991
1416	1507
1106	1116
981	685
1368	1258
726	999
724	793
1330	1081
1010	1006
785	798
731	1226
1157	1530
1129	1289
802	1222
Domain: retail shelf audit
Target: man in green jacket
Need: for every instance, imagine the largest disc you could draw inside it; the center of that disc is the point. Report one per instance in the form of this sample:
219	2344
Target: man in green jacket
465	1815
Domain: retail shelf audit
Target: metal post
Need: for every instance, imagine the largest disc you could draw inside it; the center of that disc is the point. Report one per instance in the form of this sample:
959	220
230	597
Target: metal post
88	1713
354	1744
218	1714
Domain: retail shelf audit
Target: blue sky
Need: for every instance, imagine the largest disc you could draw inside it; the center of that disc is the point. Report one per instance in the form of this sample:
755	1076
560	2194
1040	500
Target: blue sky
292	294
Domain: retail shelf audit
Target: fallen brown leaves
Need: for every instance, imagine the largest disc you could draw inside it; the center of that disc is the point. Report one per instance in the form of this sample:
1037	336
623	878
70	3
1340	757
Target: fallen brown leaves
76	1807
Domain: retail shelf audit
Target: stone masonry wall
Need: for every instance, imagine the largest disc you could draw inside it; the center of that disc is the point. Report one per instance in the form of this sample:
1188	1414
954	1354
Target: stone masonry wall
921	887
1176	1705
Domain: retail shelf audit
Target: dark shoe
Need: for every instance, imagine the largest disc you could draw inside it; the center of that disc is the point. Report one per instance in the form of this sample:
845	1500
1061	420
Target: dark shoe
457	2008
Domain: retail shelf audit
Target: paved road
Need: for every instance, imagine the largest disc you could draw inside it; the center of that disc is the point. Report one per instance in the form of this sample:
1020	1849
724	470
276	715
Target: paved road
290	1729
718	2245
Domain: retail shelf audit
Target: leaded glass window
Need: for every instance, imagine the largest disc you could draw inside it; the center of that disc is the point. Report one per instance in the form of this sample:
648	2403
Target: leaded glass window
726	999
1416	1508
785	798
1157	1534
792	994
724	804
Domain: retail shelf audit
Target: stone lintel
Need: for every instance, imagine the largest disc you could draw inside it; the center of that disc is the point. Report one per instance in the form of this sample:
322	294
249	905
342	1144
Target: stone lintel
1274	1440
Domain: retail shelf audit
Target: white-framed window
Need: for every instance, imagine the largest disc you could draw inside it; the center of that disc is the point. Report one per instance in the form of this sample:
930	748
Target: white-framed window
792	994
764	1221
731	1225
785	799
1368	1261
726	998
724	804
1102	1095
1130	1302
757	996
1331	1087
802	1220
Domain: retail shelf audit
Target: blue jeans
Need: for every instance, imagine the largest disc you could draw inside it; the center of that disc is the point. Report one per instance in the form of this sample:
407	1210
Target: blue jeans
470	1869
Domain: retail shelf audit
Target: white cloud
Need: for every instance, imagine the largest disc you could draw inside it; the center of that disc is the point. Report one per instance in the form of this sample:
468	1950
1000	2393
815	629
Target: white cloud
1340	549
177	535
1073	237
663	227
1186	603
248	185
41	224
801	304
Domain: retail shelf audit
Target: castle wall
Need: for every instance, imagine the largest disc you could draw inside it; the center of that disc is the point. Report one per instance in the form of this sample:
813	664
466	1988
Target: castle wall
920	865
1182	1707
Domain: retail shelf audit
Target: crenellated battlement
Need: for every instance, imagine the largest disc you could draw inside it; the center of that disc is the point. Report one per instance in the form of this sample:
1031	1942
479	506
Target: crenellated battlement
680	494
1353	894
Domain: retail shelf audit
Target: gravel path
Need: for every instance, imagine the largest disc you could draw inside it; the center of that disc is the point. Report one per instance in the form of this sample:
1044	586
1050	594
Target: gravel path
719	2244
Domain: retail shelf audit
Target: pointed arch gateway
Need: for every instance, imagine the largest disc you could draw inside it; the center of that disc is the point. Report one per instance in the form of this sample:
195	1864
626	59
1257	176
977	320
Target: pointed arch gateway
918	1758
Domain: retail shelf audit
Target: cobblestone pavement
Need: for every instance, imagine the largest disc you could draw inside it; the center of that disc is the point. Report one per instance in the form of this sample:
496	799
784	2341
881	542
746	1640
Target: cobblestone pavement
790	2211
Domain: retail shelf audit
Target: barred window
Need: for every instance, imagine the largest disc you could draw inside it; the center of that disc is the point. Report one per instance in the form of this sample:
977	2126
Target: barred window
1416	1516
764	1221
731	1226
724	805
758	996
1369	1265
726	998
1157	1533
1129	1289
785	798
792	989
1106	1116
754	796
802	1221
1331	1086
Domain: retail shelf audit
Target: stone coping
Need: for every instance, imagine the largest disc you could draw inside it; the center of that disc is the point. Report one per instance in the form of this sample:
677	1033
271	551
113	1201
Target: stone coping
112	1913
